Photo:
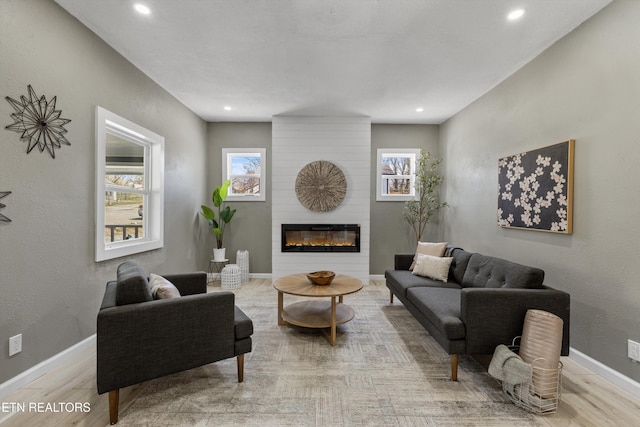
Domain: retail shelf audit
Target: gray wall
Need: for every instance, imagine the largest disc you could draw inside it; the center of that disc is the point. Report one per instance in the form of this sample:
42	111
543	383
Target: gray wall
250	228
390	234
51	287
586	87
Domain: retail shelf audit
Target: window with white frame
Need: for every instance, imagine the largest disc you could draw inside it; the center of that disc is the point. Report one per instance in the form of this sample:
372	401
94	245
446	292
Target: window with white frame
246	169
396	169
129	187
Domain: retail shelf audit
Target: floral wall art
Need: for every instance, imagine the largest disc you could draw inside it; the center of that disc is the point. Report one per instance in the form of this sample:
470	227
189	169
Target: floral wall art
535	189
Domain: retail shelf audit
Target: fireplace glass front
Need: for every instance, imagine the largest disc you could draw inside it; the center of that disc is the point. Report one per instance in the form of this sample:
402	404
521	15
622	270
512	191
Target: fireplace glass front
320	238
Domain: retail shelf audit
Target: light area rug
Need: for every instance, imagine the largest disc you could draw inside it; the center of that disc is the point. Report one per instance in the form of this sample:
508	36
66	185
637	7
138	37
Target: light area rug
385	370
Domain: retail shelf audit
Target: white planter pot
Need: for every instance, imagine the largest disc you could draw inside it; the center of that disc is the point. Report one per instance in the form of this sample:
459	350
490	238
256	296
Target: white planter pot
219	254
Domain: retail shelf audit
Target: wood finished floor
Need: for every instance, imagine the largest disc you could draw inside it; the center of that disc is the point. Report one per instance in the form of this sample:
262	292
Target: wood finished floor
587	399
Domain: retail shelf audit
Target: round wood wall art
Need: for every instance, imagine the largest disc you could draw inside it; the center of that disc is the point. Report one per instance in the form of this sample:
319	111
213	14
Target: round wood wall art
321	186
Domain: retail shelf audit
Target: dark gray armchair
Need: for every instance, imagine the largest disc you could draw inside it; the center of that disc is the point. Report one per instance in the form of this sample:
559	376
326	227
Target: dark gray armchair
139	338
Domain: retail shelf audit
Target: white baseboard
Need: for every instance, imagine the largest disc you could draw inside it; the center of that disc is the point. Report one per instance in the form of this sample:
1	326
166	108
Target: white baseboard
42	368
376	277
211	276
614	377
260	275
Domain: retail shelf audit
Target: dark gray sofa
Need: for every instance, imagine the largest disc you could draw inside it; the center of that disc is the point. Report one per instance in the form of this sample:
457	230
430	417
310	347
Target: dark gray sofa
482	305
139	338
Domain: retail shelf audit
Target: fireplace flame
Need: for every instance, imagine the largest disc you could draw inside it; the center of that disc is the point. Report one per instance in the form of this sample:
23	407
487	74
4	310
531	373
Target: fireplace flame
297	238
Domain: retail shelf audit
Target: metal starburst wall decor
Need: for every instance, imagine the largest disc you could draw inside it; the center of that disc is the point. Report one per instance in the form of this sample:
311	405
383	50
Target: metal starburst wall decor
38	122
2	205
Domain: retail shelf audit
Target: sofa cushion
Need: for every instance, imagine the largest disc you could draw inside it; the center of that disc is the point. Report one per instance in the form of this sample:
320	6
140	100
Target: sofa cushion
133	286
428	248
442	307
489	272
458	264
433	267
161	288
401	280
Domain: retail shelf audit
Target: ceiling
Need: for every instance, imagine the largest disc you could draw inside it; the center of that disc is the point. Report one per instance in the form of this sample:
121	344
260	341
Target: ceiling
377	58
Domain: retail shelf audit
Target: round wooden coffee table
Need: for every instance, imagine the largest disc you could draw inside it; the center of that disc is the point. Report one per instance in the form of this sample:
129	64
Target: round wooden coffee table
315	313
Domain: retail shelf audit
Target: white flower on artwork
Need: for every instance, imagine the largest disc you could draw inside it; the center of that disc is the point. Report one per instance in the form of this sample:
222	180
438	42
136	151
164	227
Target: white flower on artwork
544	161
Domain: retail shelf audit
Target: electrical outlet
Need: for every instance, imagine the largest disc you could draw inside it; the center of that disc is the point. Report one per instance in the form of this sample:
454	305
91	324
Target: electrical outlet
633	350
15	345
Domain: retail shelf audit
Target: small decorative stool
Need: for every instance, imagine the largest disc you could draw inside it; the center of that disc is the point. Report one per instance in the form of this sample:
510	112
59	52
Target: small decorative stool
242	259
215	270
230	277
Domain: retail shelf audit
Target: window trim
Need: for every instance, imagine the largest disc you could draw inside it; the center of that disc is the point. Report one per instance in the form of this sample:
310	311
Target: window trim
153	215
414	154
227	154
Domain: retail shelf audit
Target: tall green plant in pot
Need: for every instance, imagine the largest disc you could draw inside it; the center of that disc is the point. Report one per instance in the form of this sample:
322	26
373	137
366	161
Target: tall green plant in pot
418	212
219	222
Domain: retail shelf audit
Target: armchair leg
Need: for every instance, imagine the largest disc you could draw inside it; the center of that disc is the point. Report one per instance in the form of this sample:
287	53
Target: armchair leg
240	359
454	367
114	396
390	297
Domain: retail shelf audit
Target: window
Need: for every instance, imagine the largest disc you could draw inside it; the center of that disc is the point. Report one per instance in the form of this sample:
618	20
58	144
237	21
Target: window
129	187
245	168
396	174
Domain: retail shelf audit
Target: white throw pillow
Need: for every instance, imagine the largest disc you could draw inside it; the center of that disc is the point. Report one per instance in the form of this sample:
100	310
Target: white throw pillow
433	267
161	288
429	248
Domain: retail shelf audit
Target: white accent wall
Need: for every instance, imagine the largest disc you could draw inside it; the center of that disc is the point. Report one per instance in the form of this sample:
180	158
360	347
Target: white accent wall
297	141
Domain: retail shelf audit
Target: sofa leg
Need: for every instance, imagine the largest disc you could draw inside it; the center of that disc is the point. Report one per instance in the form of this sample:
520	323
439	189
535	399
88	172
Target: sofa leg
240	359
454	367
390	297
114	396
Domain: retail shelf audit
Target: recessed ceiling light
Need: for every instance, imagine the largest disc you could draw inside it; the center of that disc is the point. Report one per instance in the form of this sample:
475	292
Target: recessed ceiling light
419	110
141	8
516	14
227	108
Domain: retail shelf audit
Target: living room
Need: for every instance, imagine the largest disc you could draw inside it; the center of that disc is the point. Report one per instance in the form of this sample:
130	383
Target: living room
586	86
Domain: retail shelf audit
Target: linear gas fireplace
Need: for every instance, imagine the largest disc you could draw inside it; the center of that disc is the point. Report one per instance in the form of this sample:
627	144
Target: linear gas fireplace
320	238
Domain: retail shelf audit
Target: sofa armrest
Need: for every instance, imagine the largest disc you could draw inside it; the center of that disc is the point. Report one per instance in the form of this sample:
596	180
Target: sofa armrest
139	342
189	283
494	316
402	261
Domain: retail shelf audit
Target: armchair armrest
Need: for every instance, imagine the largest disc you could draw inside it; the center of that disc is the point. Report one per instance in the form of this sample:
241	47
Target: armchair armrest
189	283
139	342
495	316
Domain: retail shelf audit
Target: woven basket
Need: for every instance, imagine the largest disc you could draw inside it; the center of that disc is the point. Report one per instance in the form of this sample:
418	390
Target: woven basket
242	259
231	277
526	395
